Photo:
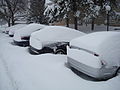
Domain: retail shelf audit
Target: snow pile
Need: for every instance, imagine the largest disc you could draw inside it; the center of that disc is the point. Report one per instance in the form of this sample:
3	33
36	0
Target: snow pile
15	28
52	34
27	30
105	44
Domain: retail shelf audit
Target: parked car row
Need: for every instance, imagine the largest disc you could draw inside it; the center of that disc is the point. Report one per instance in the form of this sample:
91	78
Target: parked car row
52	39
96	54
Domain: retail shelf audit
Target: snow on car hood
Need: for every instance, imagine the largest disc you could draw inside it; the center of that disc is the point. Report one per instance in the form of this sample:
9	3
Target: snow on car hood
106	44
55	34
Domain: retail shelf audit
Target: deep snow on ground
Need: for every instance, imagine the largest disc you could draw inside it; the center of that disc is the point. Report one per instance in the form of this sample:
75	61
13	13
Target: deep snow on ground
21	71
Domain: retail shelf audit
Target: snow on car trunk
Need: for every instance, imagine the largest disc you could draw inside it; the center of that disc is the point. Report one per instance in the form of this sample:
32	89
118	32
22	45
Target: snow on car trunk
27	30
83	57
52	34
105	44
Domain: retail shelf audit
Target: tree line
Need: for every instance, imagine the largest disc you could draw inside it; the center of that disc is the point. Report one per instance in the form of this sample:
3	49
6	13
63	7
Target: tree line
36	11
12	10
80	9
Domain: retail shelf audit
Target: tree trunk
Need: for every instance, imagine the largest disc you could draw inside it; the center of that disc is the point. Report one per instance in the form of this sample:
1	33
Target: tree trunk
74	13
92	25
8	22
13	21
108	21
67	22
12	18
75	23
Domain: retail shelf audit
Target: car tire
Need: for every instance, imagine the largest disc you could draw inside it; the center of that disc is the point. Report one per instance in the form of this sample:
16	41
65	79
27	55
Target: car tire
60	51
24	45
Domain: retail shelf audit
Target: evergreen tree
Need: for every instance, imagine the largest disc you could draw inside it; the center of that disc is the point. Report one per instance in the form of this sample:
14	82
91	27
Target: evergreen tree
37	8
84	9
10	8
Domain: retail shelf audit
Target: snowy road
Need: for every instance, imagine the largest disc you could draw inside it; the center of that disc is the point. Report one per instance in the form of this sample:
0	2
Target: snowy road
8	74
21	71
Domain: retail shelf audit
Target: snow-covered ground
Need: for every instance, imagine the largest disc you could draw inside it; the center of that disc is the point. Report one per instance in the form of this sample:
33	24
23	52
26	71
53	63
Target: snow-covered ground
87	28
21	71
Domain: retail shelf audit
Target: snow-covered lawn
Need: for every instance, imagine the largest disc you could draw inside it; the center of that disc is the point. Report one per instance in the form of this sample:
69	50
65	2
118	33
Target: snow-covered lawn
21	71
87	28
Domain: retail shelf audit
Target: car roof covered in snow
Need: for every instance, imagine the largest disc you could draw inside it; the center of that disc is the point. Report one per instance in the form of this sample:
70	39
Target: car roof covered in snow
94	40
12	29
106	44
56	33
27	30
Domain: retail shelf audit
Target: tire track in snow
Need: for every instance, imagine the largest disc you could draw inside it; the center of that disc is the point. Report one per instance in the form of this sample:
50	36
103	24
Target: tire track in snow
13	82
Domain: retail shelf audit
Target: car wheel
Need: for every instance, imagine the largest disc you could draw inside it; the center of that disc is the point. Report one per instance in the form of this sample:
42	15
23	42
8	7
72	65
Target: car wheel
60	51
24	45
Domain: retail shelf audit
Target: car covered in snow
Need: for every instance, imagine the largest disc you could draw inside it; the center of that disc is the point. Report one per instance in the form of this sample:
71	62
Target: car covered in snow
116	28
15	28
21	36
95	54
52	39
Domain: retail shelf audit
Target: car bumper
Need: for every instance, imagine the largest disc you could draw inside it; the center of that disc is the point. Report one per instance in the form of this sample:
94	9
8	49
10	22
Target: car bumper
33	51
97	73
21	43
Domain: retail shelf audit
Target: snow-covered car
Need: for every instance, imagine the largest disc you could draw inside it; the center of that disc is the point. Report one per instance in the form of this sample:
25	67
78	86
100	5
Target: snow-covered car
52	39
9	28
96	54
15	28
116	28
22	36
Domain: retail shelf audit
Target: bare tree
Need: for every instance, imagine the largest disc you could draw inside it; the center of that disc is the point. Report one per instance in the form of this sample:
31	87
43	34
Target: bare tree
9	9
4	12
